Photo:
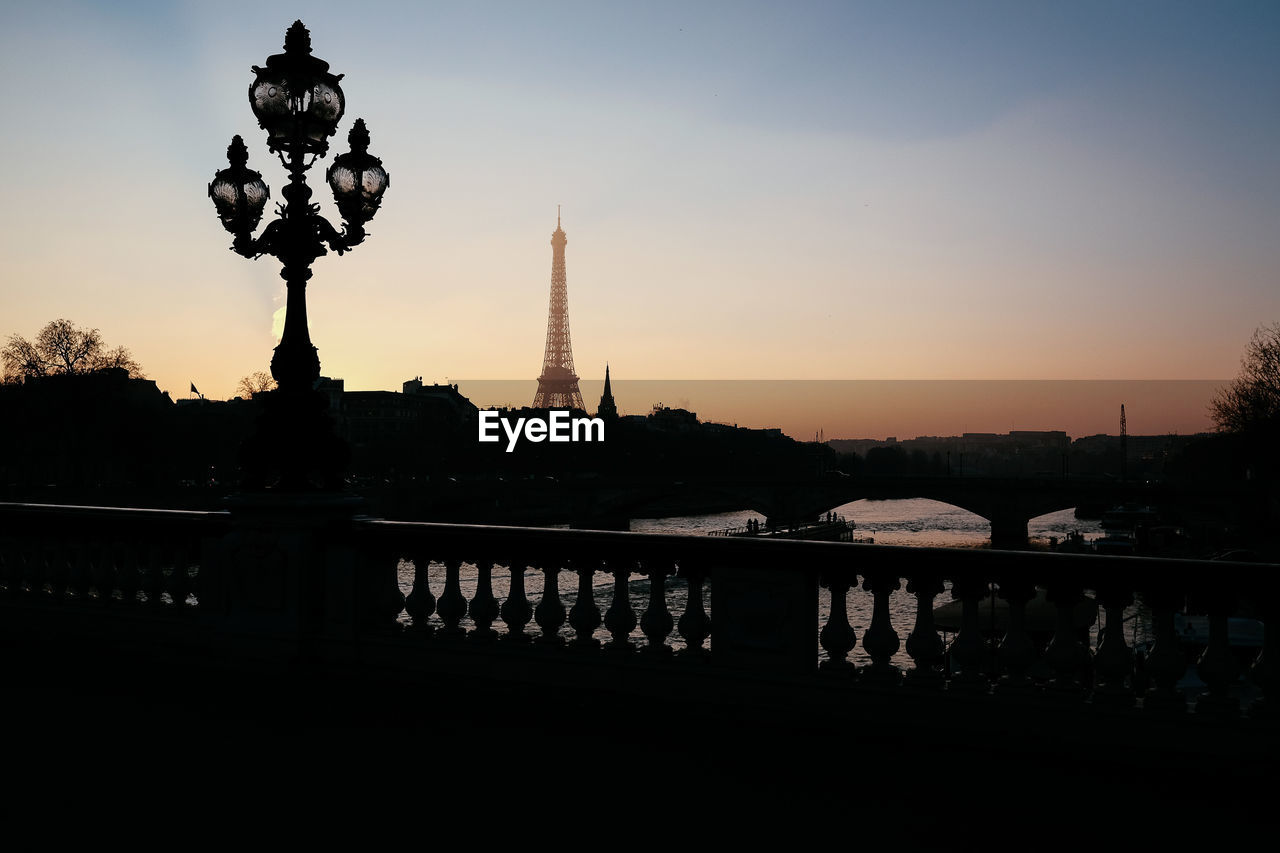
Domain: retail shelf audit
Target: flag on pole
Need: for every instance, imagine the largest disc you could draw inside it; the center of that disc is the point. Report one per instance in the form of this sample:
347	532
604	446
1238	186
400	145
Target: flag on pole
193	389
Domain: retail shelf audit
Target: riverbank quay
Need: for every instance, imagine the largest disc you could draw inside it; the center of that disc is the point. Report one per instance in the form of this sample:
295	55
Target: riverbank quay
268	645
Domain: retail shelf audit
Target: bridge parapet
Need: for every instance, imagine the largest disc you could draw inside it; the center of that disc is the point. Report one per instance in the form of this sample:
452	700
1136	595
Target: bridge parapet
639	610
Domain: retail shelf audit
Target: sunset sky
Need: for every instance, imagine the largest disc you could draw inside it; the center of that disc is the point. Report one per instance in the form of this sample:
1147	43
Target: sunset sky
953	190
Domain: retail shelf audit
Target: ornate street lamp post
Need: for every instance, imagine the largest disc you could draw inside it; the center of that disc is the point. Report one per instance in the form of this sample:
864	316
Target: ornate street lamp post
299	104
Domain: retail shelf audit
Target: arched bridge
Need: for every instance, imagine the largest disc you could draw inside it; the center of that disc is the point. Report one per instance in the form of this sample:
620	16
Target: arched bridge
1007	503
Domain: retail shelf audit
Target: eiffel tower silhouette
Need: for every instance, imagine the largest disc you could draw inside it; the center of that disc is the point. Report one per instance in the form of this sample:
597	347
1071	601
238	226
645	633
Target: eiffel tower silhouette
558	384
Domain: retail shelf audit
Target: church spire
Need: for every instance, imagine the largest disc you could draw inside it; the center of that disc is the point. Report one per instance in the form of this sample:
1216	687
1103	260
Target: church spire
607	409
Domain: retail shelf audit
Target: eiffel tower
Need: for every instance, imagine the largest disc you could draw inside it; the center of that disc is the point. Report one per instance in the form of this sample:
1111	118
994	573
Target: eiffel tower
558	384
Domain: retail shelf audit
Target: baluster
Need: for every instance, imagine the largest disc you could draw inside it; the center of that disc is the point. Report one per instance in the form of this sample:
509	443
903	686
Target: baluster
100	571
1217	666
59	569
837	636
379	601
549	614
34	568
128	576
452	606
179	581
11	566
585	615
204	576
969	650
880	641
78	572
420	603
484	606
694	624
1113	661
104	572
620	619
516	610
153	575
924	646
1017	652
1266	667
1167	661
656	623
1066	654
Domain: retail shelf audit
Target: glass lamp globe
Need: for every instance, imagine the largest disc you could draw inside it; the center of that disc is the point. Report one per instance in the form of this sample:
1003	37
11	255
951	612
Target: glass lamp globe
357	178
239	194
295	98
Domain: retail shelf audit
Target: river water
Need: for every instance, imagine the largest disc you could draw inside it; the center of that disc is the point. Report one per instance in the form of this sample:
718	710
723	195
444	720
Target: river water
905	522
916	522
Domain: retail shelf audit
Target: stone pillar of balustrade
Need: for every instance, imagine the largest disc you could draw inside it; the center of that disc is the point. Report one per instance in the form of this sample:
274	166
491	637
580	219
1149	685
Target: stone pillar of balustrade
765	617
1068	657
288	584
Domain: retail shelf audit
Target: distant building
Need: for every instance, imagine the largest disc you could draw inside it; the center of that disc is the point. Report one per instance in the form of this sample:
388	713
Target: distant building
1054	438
421	411
665	418
333	390
86	433
445	396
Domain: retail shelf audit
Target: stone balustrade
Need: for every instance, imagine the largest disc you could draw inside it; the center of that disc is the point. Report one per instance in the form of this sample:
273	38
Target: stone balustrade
324	582
93	558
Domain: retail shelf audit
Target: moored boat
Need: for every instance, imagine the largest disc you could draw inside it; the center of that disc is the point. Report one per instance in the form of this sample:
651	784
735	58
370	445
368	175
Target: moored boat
830	528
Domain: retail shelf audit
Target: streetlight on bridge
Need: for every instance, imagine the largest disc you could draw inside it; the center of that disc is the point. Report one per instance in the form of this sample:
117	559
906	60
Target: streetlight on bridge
299	104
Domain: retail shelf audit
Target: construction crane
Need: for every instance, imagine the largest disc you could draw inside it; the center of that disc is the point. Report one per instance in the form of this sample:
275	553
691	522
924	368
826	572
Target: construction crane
1124	446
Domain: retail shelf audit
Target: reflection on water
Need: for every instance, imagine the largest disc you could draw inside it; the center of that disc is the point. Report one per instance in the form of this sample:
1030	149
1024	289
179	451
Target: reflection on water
917	522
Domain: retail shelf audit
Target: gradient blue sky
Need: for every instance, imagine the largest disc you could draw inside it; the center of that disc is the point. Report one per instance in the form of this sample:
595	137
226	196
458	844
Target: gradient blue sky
804	190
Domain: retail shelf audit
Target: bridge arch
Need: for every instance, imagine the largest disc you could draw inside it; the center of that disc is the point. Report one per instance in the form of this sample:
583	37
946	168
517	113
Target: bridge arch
916	521
1007	504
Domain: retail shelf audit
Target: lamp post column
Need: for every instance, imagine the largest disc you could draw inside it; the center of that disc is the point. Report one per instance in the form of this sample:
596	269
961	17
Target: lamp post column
299	104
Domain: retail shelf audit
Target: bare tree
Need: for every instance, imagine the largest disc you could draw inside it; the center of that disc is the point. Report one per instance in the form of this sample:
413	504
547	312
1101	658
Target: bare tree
1252	401
21	359
62	348
255	383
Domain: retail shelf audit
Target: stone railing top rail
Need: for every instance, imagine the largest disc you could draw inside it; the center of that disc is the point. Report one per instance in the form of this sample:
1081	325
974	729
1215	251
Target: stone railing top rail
539	545
110	511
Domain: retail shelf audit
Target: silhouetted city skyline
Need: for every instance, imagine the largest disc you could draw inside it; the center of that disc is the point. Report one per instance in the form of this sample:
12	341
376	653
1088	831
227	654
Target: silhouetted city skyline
317	577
